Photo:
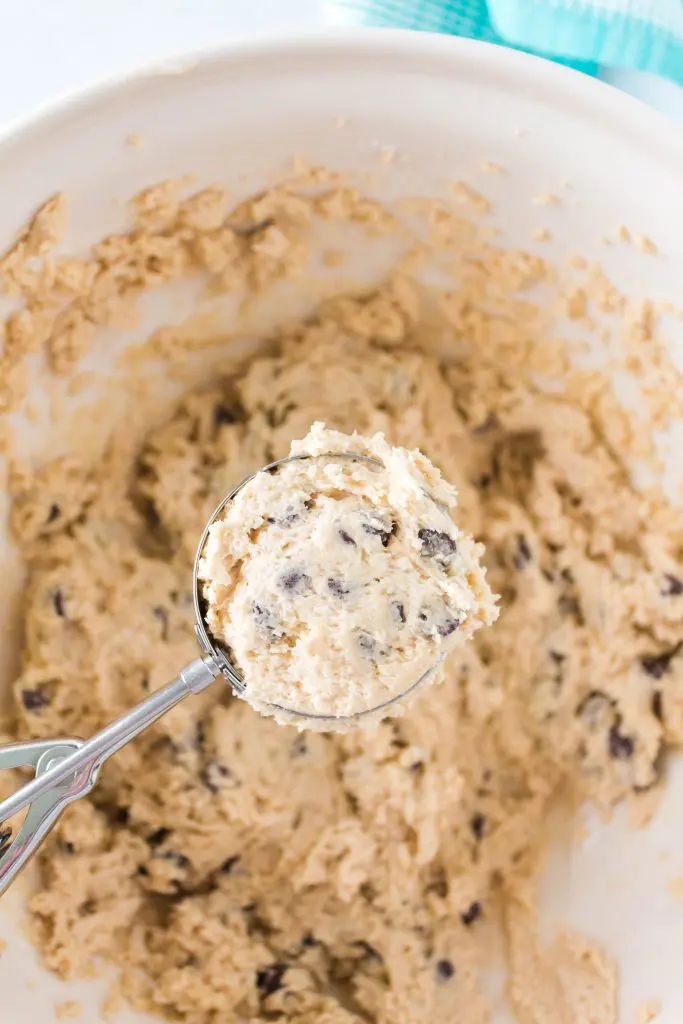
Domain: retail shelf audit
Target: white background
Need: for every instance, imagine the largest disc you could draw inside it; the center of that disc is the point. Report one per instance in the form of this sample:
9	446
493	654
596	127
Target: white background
49	47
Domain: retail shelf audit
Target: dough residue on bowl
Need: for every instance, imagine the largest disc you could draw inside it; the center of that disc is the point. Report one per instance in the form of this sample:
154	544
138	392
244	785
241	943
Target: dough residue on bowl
234	869
339	585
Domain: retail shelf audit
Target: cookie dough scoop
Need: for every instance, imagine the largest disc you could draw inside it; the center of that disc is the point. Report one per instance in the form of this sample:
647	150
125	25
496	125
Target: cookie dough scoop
339	594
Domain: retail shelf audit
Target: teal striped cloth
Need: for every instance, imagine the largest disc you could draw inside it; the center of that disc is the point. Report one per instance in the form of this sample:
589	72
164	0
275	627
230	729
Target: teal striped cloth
645	35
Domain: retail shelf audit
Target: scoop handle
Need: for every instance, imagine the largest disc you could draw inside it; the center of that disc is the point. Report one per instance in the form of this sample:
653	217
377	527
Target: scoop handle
68	769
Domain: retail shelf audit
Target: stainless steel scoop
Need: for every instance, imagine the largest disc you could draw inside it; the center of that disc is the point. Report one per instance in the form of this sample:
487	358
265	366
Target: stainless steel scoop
66	769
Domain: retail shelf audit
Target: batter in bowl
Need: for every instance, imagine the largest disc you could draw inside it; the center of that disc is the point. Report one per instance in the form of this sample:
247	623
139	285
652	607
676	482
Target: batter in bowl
236	870
339	585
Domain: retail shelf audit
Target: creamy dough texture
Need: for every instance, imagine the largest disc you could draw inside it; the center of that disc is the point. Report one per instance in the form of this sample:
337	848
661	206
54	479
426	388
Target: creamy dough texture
238	871
340	584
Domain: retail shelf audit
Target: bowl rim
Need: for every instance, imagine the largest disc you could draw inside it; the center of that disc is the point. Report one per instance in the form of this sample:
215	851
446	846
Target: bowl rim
402	50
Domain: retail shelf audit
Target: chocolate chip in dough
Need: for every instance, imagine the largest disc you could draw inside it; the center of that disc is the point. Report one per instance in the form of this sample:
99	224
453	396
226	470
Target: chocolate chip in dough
158	837
444	970
226	412
161	615
671	586
376	527
522	555
470	915
299	746
398	611
346	538
595	710
370	646
478	826
58	603
265	620
620	745
269	979
179	859
369	952
5	837
435	543
287	518
295	582
656	665
656	705
215	776
34	700
338	587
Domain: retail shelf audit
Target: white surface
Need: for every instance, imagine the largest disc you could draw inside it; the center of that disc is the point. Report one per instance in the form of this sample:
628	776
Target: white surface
290	98
48	48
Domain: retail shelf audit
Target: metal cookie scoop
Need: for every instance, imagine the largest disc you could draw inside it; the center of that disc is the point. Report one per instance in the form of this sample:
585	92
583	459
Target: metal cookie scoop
66	769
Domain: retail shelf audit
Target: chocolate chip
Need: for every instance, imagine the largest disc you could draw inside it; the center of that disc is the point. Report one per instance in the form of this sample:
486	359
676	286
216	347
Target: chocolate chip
568	605
179	859
58	603
225	412
369	952
265	620
398	611
248	230
557	657
66	847
595	709
269	979
227	865
439	887
338	587
34	700
671	586
5	837
478	825
444	970
522	555
287	518
488	423
657	664
657	705
376	527
443	623
299	746
308	940
435	543
215	776
471	914
620	745
515	456
54	513
162	615
370	646
294	581
347	538
158	837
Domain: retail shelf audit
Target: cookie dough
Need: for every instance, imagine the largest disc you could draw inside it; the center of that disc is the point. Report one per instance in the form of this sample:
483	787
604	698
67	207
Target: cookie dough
337	584
235	870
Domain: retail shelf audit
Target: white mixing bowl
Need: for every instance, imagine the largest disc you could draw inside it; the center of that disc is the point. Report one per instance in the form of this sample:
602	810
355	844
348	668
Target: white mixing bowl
446	105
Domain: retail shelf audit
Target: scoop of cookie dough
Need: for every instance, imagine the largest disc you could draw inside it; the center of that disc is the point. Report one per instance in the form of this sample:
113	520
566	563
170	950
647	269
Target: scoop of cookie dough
338	584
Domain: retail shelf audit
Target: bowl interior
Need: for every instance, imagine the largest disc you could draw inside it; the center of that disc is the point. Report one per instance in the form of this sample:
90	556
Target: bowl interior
442	108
